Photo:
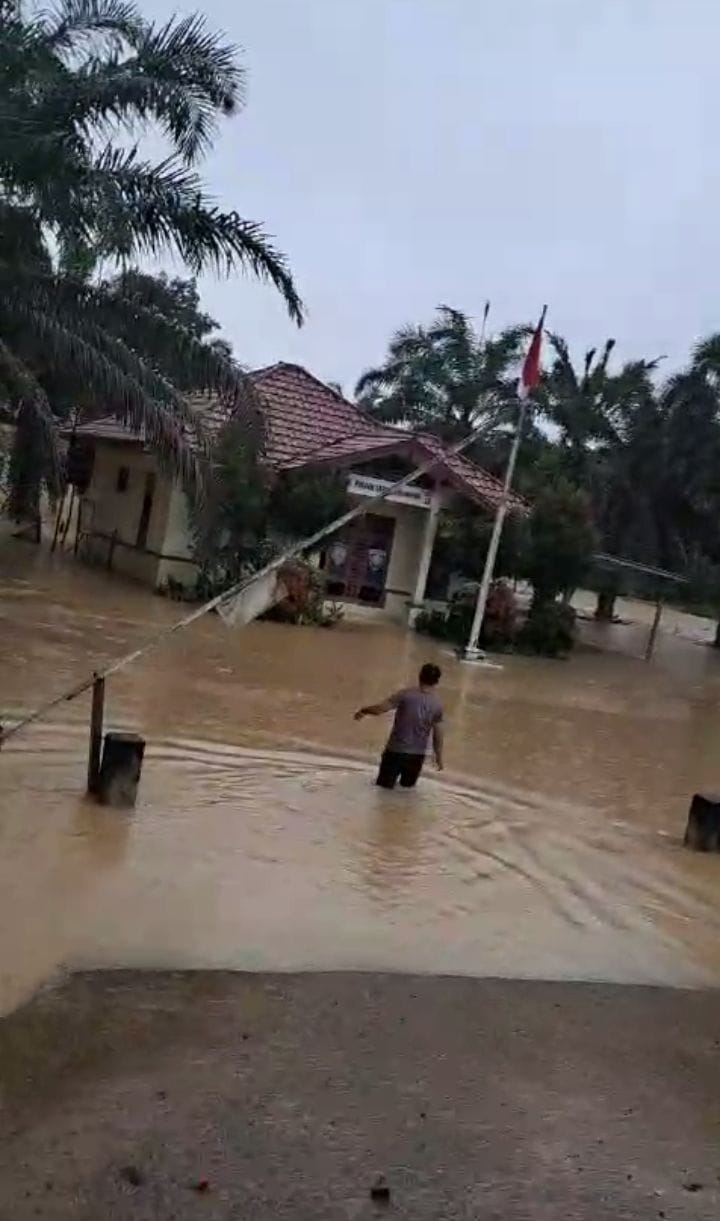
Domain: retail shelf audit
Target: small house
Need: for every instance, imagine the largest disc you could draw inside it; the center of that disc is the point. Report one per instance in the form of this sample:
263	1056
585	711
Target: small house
134	517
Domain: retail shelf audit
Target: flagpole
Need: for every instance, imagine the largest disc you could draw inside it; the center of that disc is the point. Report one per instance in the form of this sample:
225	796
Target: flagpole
483	327
471	651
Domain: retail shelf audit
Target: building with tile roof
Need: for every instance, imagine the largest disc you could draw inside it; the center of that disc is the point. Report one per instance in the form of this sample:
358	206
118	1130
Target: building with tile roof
134	516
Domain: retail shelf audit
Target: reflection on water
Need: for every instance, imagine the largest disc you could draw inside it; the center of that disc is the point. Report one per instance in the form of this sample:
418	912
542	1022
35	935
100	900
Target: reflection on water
551	846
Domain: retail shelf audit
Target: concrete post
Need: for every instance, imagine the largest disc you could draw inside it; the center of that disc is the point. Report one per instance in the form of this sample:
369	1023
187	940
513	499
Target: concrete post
96	732
703	825
120	770
431	525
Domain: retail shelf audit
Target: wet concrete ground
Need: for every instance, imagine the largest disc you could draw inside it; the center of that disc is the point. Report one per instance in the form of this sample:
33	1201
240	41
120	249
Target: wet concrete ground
124	1095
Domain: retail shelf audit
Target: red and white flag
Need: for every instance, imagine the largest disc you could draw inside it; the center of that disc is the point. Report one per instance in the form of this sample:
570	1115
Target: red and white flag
530	376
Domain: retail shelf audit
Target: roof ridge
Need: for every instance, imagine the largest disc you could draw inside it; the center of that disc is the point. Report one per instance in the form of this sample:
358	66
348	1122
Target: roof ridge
325	446
365	415
451	452
266	369
289	364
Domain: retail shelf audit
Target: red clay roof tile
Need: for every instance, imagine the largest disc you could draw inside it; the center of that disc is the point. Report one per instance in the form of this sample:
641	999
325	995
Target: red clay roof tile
308	423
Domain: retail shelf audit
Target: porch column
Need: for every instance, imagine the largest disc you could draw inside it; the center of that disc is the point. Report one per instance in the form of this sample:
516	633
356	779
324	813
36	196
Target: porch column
431	525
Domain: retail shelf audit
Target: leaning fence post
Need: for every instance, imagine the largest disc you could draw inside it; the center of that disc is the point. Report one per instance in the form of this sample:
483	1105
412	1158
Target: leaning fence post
58	519
96	733
650	647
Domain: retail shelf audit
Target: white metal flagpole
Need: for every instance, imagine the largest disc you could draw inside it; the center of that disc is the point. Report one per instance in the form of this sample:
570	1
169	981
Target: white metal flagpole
527	382
472	652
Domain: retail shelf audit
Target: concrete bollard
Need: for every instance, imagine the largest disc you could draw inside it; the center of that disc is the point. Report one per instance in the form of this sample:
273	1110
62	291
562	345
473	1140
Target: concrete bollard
120	769
703	825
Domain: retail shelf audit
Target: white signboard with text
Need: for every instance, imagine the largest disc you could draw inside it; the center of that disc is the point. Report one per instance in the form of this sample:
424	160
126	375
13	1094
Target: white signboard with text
368	485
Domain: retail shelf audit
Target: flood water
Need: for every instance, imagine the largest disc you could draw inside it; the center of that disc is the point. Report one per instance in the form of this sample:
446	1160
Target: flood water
551	846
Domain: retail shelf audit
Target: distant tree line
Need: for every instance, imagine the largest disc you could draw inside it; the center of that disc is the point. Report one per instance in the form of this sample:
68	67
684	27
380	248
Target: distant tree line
644	450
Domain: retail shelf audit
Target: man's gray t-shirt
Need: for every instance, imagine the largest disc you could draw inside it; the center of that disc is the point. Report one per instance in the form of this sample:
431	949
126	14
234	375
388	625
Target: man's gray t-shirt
416	713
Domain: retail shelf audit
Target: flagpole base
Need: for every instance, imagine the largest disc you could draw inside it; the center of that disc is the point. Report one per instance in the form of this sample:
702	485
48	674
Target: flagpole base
477	657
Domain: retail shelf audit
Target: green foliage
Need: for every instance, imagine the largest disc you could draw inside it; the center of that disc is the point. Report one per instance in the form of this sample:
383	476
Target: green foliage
549	630
302	502
560	542
248	514
443	378
499	624
432	623
167	316
72	79
230	523
645	453
26	459
305	604
462	542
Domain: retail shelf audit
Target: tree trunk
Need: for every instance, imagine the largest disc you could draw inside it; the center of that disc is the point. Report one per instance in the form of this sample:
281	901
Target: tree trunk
605	609
716	641
540	599
26	469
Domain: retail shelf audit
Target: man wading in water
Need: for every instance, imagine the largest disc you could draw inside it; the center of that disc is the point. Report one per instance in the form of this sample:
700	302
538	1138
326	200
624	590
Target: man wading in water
418	713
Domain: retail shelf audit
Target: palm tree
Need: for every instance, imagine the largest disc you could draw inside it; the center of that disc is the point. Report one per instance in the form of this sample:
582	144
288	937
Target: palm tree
693	409
608	427
69	81
576	404
444	378
93	67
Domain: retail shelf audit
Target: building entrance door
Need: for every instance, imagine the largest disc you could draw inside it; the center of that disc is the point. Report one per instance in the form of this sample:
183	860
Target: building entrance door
356	562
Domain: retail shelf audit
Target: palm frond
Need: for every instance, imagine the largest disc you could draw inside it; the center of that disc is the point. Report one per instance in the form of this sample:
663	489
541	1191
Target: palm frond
145	209
372	380
443	378
91	66
181	78
186	53
706	354
73	20
27	393
126	389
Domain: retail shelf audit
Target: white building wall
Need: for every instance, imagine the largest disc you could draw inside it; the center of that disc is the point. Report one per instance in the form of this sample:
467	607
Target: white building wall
169	549
178	563
109	511
404	557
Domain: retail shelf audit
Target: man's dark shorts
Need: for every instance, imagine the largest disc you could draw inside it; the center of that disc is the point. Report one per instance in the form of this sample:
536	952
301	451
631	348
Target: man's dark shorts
394	766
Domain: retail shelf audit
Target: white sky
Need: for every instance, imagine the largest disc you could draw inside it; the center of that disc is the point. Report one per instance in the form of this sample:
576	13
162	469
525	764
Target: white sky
411	152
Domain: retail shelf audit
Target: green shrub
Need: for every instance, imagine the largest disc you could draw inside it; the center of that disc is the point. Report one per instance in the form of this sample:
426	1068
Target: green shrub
549	630
459	620
305	602
499	624
432	623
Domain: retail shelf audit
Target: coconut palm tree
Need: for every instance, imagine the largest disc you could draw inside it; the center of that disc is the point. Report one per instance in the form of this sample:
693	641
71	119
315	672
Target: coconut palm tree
576	403
70	83
444	378
609	426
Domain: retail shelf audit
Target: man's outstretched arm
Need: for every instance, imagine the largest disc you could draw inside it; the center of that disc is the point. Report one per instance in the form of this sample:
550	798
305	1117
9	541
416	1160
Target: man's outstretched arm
438	746
376	709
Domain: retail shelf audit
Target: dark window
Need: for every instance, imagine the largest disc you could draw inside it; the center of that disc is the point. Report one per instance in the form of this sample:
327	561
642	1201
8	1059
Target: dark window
80	461
123	479
144	523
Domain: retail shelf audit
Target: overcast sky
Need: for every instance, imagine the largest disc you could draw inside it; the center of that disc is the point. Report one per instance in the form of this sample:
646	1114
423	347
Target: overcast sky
411	152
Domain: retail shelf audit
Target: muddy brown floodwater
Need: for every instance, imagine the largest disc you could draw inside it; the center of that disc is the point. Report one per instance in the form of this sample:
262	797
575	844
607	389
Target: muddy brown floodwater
549	848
